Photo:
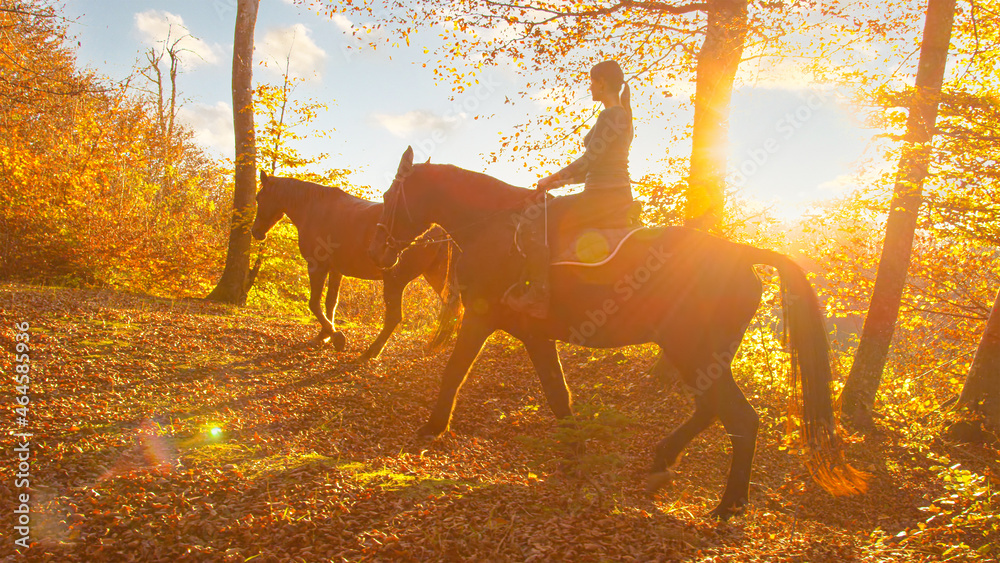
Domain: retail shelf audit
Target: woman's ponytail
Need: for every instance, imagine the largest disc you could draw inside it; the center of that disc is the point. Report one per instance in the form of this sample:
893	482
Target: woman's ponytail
626	99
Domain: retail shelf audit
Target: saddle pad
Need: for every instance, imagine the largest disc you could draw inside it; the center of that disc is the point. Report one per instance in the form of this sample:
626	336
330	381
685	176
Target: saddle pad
593	247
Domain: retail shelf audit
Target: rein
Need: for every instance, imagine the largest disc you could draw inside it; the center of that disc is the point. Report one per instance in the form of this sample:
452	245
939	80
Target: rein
399	246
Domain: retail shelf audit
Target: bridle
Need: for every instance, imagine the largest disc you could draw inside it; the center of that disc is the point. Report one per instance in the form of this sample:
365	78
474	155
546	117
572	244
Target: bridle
392	243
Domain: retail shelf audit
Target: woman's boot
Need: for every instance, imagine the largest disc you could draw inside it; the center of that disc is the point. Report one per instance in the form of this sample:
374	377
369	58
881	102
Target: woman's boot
532	296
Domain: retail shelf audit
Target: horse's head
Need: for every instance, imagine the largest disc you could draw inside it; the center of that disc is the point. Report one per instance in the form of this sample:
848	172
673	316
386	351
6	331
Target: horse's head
397	228
269	207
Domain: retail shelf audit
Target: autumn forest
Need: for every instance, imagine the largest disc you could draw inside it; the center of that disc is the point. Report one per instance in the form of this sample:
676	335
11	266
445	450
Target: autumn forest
255	353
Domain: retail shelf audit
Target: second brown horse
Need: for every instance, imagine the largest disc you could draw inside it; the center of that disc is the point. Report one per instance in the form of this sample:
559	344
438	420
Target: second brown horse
335	229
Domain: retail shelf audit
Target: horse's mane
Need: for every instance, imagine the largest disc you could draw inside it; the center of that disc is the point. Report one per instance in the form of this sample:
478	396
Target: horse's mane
473	181
295	191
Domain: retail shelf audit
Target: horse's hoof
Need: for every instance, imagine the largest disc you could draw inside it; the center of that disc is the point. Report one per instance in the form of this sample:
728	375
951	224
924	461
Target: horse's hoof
369	354
657	481
429	432
339	341
322	338
724	513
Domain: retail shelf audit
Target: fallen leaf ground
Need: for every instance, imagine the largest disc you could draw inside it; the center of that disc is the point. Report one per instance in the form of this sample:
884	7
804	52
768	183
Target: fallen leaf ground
312	456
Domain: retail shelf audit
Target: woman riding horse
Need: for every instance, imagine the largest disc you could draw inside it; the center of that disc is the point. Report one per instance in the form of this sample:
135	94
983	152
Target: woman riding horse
606	199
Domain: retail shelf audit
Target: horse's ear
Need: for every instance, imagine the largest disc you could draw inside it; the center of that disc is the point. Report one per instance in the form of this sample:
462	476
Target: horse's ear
428	160
405	163
263	176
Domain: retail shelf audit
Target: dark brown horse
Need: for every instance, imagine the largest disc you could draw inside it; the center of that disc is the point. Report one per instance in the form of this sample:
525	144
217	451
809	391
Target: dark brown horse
335	229
691	293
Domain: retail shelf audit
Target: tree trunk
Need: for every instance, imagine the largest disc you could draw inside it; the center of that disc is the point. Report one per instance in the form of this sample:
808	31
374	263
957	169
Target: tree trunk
718	60
858	398
233	286
980	397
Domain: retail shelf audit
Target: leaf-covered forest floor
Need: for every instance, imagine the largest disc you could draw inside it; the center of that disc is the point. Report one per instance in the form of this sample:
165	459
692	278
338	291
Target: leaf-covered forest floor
313	458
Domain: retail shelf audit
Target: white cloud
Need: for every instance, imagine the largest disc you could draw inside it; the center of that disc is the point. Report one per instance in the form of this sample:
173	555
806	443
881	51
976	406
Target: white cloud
159	27
405	124
342	23
293	43
546	97
360	33
212	125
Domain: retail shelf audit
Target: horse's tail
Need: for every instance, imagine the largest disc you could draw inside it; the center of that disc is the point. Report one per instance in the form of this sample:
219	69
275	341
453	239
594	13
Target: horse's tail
450	316
810	372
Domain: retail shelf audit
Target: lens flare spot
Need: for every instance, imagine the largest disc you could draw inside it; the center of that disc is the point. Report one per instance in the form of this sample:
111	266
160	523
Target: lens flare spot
592	247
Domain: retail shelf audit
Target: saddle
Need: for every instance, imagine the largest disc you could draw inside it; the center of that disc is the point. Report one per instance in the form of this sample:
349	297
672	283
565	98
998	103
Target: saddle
573	245
592	247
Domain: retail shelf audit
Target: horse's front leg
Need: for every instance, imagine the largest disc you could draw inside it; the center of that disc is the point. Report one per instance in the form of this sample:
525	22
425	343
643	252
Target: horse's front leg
317	279
392	295
332	296
471	337
545	358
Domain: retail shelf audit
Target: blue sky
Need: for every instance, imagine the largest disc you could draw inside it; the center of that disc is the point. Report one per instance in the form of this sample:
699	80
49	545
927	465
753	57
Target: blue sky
790	144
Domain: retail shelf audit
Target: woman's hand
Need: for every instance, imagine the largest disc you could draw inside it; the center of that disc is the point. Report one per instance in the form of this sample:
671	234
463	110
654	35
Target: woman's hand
549	183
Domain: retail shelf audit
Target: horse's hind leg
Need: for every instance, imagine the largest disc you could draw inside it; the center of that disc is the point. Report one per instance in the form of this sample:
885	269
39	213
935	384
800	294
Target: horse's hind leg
332	296
741	423
669	449
392	294
716	395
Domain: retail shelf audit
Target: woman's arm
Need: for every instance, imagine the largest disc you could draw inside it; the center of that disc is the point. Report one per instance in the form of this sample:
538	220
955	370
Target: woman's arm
609	126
